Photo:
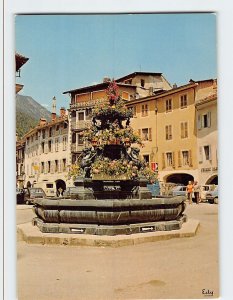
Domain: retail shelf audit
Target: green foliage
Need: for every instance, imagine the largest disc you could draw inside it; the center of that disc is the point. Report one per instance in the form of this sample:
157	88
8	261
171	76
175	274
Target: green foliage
24	123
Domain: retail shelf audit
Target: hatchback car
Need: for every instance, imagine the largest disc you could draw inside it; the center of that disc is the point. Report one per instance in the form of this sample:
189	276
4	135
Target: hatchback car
212	196
32	194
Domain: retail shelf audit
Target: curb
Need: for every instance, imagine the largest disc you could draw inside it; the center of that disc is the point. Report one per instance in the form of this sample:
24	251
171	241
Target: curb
31	235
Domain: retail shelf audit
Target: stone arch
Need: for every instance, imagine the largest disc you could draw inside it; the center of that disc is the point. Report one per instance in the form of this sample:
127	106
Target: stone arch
213	179
178	178
60	184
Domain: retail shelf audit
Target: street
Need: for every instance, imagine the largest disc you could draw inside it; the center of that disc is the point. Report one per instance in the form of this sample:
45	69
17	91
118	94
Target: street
176	268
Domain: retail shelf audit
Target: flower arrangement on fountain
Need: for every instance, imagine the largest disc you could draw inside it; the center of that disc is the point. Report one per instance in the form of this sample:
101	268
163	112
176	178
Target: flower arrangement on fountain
115	107
112	135
121	167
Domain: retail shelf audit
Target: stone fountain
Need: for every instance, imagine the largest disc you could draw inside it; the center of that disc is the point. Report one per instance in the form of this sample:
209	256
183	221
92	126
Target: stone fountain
111	195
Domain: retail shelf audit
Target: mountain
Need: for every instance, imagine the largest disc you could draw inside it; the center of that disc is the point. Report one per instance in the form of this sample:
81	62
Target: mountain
28	113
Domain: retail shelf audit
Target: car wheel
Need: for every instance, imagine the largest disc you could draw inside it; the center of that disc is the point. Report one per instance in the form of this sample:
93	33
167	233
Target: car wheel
216	200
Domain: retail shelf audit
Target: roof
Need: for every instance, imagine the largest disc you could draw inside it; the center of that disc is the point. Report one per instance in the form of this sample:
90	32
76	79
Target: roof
137	73
102	85
163	93
20	60
207	99
47	124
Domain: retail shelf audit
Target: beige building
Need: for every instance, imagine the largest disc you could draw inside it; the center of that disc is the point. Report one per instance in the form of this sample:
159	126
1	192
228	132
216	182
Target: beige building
47	151
167	124
207	132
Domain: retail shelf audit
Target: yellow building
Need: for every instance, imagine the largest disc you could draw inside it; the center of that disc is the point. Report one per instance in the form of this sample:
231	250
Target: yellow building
167	124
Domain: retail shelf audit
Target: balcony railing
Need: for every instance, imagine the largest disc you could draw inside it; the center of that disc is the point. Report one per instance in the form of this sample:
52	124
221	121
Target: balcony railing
76	148
80	124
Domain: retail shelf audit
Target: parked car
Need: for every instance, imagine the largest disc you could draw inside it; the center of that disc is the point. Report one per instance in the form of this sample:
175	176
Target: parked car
206	189
212	196
19	196
32	194
179	190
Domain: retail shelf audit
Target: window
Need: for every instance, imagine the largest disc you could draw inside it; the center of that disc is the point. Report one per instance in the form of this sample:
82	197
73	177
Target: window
42	167
56	166
42	148
49	166
50	146
185	158
207	152
50	131
146	158
204	120
129	81
146	134
57	127
80	139
56	144
169	158
142	82
64	165
81	116
183	101
144	110
64	143
168	105
168	132
43	134
184	130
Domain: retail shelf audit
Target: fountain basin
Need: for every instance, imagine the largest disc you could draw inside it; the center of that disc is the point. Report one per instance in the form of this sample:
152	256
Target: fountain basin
109	216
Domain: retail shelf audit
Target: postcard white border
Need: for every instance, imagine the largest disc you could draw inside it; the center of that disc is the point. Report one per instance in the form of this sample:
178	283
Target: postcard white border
224	10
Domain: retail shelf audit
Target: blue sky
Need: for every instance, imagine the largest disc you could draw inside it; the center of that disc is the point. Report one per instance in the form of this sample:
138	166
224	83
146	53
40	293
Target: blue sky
71	51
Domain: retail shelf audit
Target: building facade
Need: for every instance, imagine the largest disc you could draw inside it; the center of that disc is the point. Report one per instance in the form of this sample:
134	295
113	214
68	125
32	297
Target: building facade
207	132
131	86
167	124
47	152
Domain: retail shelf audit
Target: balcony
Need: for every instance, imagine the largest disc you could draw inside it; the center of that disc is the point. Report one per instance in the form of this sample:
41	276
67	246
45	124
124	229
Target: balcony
80	124
76	148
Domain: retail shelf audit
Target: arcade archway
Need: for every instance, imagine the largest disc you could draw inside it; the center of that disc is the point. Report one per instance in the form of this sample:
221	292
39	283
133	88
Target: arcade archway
60	184
179	178
213	180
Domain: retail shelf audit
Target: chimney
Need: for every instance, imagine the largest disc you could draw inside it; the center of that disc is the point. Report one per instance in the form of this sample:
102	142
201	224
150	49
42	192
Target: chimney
106	79
42	121
174	86
62	112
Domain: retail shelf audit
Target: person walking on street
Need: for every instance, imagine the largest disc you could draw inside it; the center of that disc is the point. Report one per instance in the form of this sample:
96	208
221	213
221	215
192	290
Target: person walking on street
189	190
196	190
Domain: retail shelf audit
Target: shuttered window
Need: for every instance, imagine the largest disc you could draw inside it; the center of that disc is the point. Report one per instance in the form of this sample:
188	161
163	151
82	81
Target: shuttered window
168	132
184	129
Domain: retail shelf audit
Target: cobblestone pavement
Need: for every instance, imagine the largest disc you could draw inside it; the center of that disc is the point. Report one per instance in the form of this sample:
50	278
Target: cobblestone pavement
177	268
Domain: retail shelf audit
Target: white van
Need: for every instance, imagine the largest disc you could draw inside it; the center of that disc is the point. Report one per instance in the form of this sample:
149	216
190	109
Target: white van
49	187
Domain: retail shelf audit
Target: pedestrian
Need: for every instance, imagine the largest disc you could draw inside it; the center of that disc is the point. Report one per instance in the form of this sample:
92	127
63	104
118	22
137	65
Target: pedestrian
189	190
196	190
60	190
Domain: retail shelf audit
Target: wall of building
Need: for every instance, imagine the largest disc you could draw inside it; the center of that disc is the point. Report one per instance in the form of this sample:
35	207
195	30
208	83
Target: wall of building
40	165
207	141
